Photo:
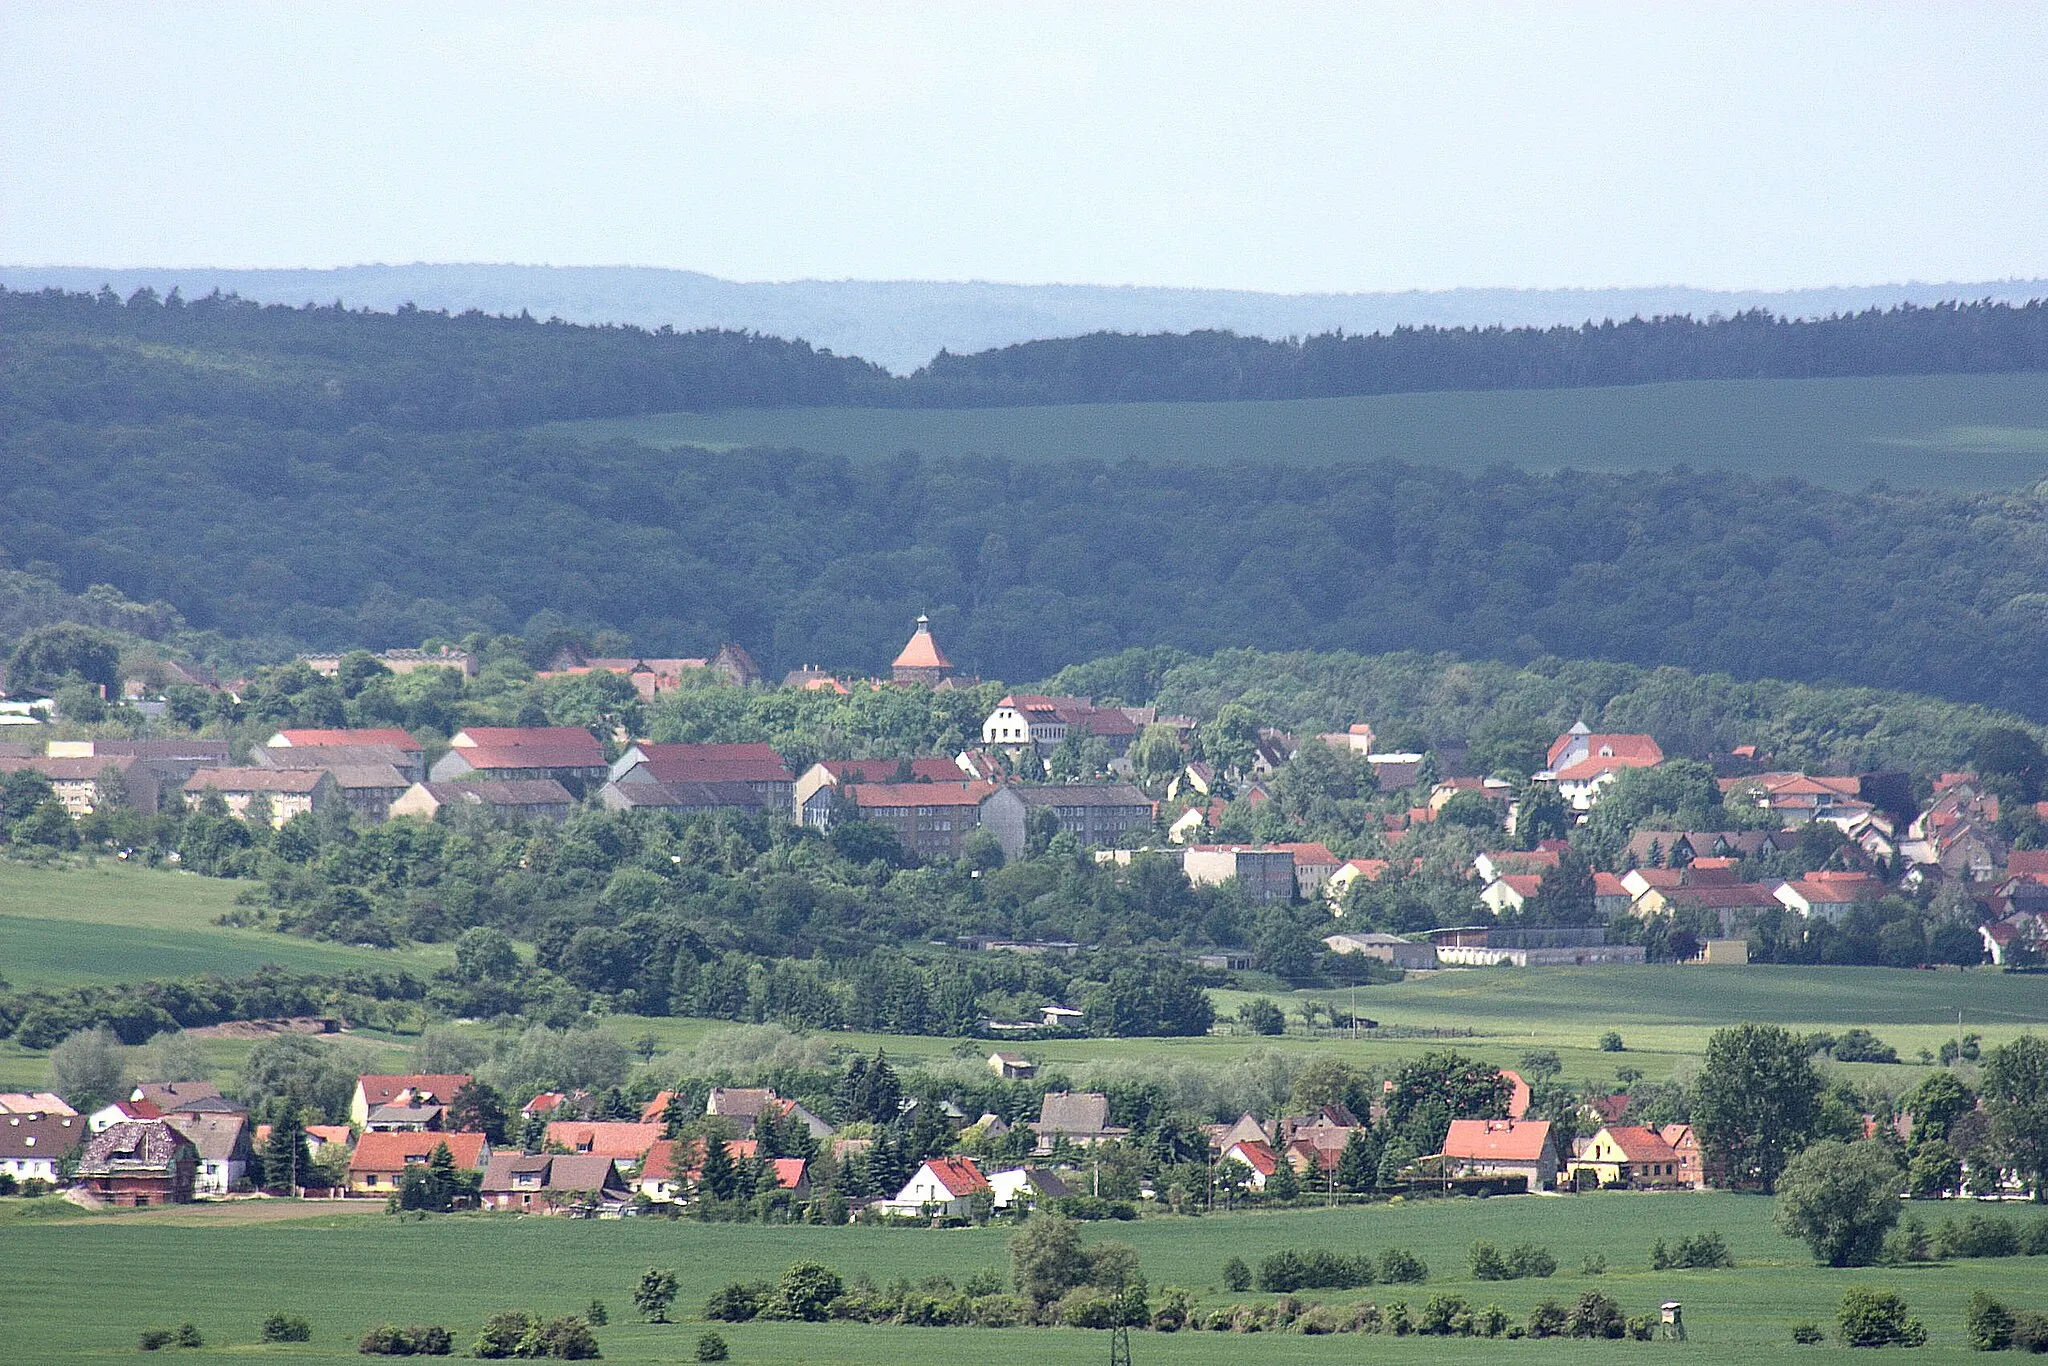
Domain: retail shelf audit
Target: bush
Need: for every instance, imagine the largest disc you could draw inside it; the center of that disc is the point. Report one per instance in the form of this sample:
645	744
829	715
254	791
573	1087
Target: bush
1694	1252
286	1328
563	1339
711	1347
1547	1320
1596	1316
739	1302
1594	1265
1175	1308
1906	1244
1444	1316
154	1339
1398	1267
1314	1269
187	1336
1395	1319
1092	1208
503	1334
1877	1318
1487	1263
1490	1322
1808	1334
1518	1262
805	1291
1977	1235
385	1340
1987	1324
1610	1042
1642	1327
2030	1331
597	1316
1237	1276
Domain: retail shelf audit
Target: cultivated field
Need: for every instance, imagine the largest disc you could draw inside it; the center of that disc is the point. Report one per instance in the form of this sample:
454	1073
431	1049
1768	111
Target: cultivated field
81	1288
1931	431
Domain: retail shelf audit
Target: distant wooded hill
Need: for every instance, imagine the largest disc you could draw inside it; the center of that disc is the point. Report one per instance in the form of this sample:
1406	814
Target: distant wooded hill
904	323
78	357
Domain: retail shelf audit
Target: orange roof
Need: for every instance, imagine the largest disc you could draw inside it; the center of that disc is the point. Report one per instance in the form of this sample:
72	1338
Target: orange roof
1256	1154
1525	885
958	1175
923	651
1311	855
381	1152
1520	1096
1607	884
1638	1144
1371	869
622	1139
1627	751
1497	1140
938	770
660	1163
886	796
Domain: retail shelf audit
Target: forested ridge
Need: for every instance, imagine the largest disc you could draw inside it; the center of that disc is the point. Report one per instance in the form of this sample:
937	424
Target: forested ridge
97	358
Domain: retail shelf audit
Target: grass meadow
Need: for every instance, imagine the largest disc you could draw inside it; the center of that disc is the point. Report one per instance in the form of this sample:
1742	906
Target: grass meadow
1917	431
83	1286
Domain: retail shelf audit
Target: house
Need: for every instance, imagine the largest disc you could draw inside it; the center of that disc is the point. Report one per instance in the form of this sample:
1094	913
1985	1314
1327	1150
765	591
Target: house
1026	1186
414	767
1012	1066
121	1112
1386	948
1725	907
33	1103
1491	864
1265	875
168	1096
1044	722
1828	896
401	662
32	1146
1354	739
1257	1156
1676	848
84	785
287	792
1314	865
519	799
943	1188
380	1160
223	1145
930	820
1610	897
1245	1126
621	1140
1079	1117
1507	895
1482	946
1093	813
1502	1147
374	1089
921	660
321	1137
1685	1145
146	1162
1196	779
683	797
1582	762
1799	798
744	1105
1629	1155
757	766
1498	791
1350	871
1398	771
569	755
813	791
553	1183
371	777
404	1116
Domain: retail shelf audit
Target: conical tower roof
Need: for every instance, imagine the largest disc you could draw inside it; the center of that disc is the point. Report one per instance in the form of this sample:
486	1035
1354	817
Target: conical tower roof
923	651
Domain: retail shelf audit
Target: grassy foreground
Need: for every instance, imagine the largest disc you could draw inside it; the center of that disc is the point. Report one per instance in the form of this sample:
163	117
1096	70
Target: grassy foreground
83	1287
1917	431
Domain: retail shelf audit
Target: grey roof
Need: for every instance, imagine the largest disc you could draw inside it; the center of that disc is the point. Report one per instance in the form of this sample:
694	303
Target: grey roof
216	1137
1078	794
328	756
51	1136
555	1171
131	1144
749	1101
681	796
500	793
1073	1112
169	1095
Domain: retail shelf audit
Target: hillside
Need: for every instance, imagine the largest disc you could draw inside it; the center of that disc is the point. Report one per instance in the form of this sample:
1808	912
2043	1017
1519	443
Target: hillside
904	323
1975	432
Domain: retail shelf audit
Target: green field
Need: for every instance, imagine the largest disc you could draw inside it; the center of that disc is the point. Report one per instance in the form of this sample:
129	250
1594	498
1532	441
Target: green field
1929	431
82	1288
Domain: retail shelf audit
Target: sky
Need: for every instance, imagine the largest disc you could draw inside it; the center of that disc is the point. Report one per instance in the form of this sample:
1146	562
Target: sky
1259	146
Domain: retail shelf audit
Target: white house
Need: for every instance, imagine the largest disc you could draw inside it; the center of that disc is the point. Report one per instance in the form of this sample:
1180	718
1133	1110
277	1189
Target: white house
944	1187
31	1146
1028	1186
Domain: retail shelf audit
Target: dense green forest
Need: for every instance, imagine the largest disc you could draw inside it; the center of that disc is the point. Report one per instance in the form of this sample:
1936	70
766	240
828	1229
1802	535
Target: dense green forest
247	481
97	358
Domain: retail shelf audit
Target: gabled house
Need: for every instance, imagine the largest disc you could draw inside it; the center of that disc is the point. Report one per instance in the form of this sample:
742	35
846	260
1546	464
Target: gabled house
414	767
138	1163
222	1143
32	1146
1685	1146
1012	1066
1629	1155
373	1090
1080	1117
1828	896
380	1160
1582	762
1044	722
744	1106
1257	1157
552	1183
1314	865
34	1103
1501	1147
815	788
931	820
121	1112
1265	874
167	1096
369	777
84	785
568	755
943	1188
1093	813
1026	1186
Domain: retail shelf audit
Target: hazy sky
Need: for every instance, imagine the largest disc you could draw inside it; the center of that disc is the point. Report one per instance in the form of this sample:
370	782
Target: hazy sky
1325	147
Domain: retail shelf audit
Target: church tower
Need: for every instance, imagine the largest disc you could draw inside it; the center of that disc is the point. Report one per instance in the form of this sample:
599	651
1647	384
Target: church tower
922	661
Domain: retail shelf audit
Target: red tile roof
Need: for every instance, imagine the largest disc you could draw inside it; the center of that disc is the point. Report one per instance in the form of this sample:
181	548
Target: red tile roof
923	651
1638	1144
621	1139
958	1175
1311	855
485	758
1256	1154
751	763
1497	1140
885	796
885	770
379	1089
381	1152
566	739
1626	751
